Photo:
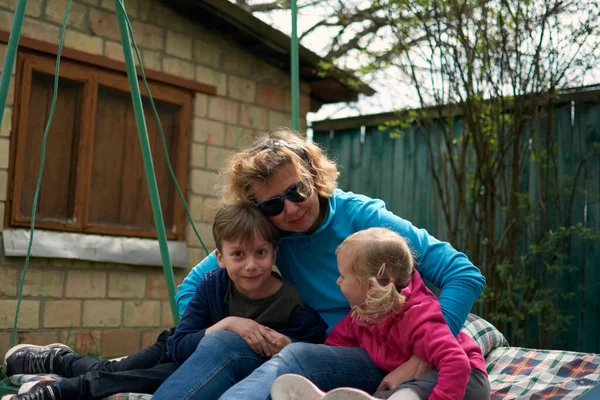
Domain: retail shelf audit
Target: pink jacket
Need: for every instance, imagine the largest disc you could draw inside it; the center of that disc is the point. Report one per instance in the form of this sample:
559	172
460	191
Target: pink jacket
418	329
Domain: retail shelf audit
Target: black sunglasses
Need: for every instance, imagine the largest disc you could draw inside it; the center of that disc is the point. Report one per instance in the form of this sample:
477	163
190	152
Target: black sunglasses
274	206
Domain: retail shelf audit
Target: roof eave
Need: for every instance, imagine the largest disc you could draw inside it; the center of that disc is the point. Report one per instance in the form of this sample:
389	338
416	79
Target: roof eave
275	47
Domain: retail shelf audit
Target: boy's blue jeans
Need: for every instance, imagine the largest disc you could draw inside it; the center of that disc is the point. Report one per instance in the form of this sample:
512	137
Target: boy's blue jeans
223	366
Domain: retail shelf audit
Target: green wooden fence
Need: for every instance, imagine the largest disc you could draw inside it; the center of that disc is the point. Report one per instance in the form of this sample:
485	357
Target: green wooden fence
398	171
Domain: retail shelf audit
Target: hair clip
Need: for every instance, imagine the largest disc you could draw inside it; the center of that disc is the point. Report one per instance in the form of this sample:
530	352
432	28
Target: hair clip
381	271
294	147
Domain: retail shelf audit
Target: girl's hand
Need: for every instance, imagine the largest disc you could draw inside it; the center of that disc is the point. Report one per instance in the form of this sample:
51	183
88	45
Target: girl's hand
253	333
277	341
415	367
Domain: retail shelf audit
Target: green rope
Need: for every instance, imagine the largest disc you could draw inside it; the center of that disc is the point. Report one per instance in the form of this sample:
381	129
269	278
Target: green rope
40	173
160	128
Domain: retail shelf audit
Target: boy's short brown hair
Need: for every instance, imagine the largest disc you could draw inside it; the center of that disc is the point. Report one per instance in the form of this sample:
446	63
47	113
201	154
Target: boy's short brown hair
243	221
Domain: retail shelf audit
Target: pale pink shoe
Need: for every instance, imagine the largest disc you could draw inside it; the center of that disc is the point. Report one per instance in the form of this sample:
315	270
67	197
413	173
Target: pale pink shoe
295	387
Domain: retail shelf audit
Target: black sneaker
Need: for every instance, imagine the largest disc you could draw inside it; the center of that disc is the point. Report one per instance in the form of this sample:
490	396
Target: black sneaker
32	359
45	390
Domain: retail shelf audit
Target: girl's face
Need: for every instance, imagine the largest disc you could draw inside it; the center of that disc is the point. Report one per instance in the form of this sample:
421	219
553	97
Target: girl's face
295	217
352	288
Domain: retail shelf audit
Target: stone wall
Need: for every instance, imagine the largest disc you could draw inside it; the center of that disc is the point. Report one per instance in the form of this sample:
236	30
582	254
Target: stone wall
112	309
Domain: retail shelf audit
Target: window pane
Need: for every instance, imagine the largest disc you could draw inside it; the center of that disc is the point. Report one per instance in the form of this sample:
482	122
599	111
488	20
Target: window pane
57	191
119	192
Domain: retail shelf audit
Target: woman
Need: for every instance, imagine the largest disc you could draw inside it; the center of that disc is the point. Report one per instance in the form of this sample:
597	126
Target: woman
294	184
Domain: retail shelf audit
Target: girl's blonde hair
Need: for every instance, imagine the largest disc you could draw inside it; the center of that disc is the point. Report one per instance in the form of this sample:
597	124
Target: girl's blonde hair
268	153
382	259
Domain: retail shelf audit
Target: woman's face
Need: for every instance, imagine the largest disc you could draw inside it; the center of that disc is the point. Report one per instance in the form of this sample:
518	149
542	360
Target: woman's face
295	217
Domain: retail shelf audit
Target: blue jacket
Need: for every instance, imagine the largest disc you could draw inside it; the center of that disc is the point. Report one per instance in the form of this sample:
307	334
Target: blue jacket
309	262
206	309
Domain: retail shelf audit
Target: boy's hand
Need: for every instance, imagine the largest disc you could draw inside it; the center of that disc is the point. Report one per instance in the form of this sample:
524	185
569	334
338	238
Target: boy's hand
277	341
253	333
415	367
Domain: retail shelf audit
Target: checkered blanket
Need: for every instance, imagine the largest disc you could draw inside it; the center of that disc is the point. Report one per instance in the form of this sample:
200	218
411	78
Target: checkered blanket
520	373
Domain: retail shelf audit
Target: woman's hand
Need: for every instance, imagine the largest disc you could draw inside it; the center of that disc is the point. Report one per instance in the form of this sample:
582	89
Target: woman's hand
415	367
254	334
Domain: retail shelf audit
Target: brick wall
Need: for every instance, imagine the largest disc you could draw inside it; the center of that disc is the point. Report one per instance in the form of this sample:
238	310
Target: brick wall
96	308
112	309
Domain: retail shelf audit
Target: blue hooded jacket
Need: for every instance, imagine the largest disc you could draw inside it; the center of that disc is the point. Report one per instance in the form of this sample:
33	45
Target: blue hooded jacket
206	308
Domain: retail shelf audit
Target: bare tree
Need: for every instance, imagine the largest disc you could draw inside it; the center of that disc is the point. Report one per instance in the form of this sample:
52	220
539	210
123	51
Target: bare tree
497	69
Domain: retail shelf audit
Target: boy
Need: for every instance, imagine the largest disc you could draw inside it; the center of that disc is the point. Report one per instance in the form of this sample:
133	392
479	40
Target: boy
245	297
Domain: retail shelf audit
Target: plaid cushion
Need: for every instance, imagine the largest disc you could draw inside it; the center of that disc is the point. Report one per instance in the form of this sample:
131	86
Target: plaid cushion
484	334
520	373
18	380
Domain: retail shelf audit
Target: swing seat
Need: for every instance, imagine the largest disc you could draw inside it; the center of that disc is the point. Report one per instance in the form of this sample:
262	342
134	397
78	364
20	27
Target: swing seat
514	372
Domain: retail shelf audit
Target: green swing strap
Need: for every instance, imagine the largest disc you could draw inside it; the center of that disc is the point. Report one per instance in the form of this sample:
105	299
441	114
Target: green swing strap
295	67
147	156
9	58
162	134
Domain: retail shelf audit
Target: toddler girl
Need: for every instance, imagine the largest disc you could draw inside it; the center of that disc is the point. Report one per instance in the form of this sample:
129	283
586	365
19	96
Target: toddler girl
394	316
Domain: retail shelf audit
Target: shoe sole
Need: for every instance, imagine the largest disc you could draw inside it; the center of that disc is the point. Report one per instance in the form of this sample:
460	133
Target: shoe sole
295	387
14	349
26	386
346	393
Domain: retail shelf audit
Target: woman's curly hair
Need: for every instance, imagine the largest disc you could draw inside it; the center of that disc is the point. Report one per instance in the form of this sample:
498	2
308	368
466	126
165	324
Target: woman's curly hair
269	152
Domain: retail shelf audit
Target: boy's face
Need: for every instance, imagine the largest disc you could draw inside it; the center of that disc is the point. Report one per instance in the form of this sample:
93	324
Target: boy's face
248	264
351	286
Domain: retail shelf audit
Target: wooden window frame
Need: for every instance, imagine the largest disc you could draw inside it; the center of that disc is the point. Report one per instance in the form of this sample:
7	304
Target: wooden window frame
92	78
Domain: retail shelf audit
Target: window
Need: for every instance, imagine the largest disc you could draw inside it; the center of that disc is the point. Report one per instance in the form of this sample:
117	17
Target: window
94	180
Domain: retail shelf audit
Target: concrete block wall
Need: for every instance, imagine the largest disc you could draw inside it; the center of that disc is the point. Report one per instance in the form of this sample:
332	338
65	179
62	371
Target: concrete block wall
112	309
